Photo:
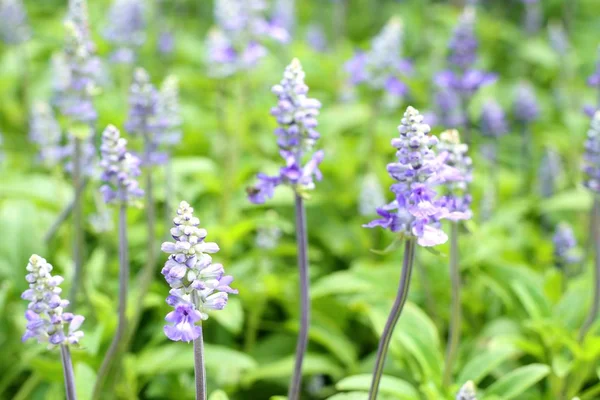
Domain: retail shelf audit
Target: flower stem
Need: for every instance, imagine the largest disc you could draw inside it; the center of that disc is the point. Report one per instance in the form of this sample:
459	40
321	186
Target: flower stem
302	241
116	343
199	370
64	214
77	224
65	355
386	336
455	312
595	307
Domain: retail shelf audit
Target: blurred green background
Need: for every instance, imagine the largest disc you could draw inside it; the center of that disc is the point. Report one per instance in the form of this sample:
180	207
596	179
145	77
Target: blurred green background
521	313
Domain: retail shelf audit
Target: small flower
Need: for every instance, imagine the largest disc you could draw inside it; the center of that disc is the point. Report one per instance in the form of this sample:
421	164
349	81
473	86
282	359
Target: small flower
416	210
565	246
591	157
371	195
126	29
166	42
493	120
458	197
296	116
45	132
316	38
197	285
525	108
14	28
46	319
463	45
119	169
168	118
549	172
467	392
594	79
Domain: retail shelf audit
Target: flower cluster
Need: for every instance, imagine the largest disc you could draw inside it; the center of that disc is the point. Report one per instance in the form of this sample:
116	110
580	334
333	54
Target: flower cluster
565	245
197	285
416	211
126	29
525	107
549	172
236	43
382	67
15	27
296	136
493	120
119	169
467	392
46	319
142	119
591	158
45	132
455	153
168	118
593	81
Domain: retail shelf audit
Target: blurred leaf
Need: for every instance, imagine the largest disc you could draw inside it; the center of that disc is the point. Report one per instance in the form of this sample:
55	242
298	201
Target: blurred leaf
484	363
218	395
389	384
342	282
313	364
232	317
85	379
517	381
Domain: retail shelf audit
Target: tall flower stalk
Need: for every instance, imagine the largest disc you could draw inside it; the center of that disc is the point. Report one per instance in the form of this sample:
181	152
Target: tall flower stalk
46	319
459	200
126	29
592	170
197	286
416	212
525	112
296	136
120	170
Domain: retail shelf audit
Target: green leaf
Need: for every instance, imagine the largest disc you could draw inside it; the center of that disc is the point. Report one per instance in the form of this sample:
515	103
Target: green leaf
313	364
389	384
218	395
518	381
342	282
484	363
232	317
350	396
85	379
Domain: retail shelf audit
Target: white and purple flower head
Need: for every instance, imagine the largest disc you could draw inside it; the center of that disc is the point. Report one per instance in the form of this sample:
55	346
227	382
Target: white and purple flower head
120	169
45	132
296	116
591	157
126	29
46	319
417	210
467	392
382	68
197	285
457	196
168	115
15	27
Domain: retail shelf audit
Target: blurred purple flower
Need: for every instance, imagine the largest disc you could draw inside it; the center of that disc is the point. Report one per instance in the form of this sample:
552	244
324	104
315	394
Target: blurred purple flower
525	106
463	44
591	157
14	28
565	246
126	29
166	42
457	196
316	38
493	120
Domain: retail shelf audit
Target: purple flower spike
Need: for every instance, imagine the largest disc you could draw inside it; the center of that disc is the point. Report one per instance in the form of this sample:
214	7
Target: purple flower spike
493	120
591	158
525	108
382	68
15	27
565	245
119	169
126	29
197	285
463	45
296	115
417	210
46	320
594	79
458	198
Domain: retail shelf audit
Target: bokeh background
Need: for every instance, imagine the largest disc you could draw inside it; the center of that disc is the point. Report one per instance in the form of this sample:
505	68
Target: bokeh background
522	309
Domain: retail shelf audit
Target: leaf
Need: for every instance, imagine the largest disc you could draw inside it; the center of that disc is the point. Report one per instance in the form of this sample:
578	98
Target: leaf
85	379
484	363
313	364
342	282
518	381
390	248
350	396
232	317
389	384
218	395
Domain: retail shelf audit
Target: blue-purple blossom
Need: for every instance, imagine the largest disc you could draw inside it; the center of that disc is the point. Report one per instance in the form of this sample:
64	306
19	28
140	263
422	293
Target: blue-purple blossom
316	38
417	210
565	245
166	42
236	43
14	28
120	169
525	106
463	44
371	195
559	39
284	15
457	196
197	285
593	81
493	120
296	116
591	157
549	172
382	67
46	319
467	392
533	16
168	115
126	29
45	132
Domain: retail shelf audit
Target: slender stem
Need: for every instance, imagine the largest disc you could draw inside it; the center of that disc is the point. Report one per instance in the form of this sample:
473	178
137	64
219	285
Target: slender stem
595	307
65	355
64	214
302	241
168	190
199	370
464	104
386	336
526	146
77	224
117	341
455	311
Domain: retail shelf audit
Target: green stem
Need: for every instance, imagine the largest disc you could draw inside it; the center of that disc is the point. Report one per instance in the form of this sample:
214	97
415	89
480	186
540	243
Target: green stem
64	214
386	336
595	307
77	224
199	370
455	311
69	376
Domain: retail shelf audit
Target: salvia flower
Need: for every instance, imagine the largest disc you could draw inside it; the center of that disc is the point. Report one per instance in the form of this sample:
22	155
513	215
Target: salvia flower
549	172
197	285
168	114
467	392
166	42
591	158
417	210
565	245
493	120
120	169
78	15
46	320
458	197
296	136
382	68
316	38
594	79
126	29
525	106
15	27
463	44
45	132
